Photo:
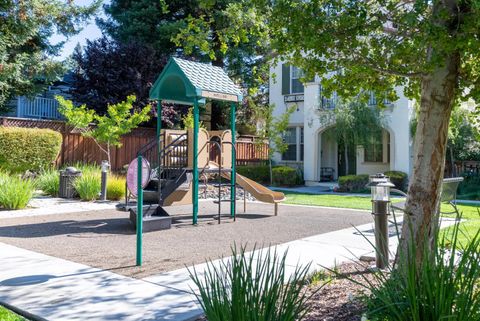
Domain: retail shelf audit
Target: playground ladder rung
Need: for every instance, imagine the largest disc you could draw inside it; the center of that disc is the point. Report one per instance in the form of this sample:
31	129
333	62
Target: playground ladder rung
216	201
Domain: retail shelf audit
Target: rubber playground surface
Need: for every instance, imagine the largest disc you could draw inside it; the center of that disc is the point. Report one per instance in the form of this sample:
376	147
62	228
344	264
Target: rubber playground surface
106	239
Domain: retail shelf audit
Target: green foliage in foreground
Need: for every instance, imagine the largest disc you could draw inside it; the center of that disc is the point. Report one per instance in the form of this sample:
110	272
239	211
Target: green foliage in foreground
252	287
7	315
115	187
15	192
48	182
88	186
443	287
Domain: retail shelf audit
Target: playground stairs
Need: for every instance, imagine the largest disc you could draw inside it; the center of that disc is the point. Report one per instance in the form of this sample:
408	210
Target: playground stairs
169	180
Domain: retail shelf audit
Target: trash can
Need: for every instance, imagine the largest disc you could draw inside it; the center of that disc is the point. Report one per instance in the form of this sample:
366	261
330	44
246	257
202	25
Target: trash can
67	179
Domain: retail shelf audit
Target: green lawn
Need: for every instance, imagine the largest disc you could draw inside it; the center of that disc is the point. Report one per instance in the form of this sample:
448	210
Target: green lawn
470	213
7	315
356	202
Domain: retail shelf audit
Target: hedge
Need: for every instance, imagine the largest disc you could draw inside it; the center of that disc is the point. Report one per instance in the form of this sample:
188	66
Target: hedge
23	149
282	175
399	179
286	176
258	173
352	183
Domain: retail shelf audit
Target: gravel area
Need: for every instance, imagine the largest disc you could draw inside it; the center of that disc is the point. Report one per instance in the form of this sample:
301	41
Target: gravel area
340	299
106	239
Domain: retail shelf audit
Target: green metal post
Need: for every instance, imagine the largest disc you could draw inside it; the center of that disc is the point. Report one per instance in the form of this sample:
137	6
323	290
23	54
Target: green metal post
195	160
139	210
159	118
233	195
159	156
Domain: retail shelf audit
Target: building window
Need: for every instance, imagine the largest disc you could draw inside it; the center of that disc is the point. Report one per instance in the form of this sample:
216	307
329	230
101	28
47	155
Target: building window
291	84
290	138
373	150
296	85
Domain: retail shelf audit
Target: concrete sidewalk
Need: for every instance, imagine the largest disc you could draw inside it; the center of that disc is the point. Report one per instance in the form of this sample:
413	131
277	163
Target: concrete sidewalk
59	290
46	205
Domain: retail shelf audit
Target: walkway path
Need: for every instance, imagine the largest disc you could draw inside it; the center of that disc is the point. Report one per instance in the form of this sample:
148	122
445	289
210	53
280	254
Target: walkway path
59	290
53	205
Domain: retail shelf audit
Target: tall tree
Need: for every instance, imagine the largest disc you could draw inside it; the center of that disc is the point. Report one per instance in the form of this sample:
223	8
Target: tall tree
430	47
26	66
231	34
107	71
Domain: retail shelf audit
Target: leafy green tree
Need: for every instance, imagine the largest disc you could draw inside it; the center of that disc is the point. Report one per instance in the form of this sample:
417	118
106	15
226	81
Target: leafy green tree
429	47
106	130
26	66
231	34
355	124
463	137
272	129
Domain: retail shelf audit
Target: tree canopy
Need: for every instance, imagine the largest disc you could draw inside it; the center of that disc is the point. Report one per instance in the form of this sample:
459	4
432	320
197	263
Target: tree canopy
431	48
26	66
231	34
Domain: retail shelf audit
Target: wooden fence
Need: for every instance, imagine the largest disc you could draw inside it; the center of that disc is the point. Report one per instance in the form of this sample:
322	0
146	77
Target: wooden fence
464	168
76	148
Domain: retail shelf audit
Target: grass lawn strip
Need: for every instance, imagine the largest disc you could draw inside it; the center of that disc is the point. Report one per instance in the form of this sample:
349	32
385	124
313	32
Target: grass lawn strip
470	213
7	315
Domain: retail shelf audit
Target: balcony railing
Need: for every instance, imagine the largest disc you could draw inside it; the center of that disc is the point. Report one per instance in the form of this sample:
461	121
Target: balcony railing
331	103
38	108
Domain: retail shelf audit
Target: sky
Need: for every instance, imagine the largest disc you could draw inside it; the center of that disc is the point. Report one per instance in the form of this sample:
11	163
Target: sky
89	32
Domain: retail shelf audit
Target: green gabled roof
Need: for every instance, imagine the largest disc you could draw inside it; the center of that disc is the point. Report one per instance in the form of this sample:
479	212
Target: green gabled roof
184	81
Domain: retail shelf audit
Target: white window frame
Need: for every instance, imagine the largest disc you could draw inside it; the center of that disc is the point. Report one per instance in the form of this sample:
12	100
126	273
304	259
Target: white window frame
298	75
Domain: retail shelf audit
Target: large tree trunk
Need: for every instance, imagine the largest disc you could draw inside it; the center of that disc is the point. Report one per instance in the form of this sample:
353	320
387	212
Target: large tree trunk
438	91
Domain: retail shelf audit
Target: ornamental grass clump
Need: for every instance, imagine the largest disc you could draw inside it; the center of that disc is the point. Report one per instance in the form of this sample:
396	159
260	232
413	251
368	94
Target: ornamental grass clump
15	192
88	186
115	187
446	286
252	287
48	182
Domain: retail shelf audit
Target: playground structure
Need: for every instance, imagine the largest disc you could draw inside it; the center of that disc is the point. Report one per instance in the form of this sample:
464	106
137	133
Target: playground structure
168	168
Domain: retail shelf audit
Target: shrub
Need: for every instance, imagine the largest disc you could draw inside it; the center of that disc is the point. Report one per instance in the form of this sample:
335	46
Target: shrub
15	192
88	186
23	149
469	189
444	287
399	179
258	173
286	176
115	187
49	182
251	287
352	183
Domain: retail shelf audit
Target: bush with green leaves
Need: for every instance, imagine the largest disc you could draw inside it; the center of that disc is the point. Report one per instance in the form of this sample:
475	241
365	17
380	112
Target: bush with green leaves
15	192
469	189
88	186
23	149
399	179
250	287
257	173
115	187
48	182
445	286
286	176
352	183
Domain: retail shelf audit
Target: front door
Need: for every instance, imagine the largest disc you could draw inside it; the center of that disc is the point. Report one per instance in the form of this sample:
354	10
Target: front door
352	160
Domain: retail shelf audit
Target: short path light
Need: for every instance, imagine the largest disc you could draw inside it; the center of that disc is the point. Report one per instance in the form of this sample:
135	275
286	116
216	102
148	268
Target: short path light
105	169
380	189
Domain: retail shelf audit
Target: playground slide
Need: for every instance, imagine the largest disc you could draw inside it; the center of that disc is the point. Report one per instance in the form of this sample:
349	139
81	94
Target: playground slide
258	191
183	194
